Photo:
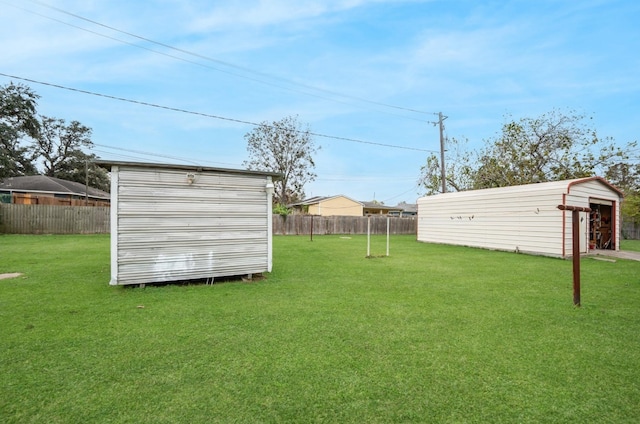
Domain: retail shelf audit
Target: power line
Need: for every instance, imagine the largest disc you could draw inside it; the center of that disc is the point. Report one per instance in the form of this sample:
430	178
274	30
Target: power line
138	158
415	187
210	59
142	152
402	194
206	115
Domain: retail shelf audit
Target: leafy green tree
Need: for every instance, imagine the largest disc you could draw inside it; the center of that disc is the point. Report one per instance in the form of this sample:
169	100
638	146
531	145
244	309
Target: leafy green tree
81	167
626	176
285	147
59	142
459	169
27	138
60	147
554	146
630	209
18	119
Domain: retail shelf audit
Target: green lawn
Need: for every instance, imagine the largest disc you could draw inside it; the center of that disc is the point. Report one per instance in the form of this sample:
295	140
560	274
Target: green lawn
432	333
633	245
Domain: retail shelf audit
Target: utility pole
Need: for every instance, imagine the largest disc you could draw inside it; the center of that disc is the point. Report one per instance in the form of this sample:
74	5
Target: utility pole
443	173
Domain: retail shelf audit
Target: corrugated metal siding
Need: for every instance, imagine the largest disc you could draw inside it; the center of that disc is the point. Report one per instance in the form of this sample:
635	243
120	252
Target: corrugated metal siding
170	230
493	219
523	218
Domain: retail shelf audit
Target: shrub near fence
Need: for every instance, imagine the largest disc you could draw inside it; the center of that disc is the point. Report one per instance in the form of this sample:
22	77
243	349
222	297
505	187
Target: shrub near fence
45	219
322	225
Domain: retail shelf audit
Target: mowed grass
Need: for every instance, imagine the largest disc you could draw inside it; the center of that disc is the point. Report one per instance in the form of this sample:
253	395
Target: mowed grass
431	333
633	245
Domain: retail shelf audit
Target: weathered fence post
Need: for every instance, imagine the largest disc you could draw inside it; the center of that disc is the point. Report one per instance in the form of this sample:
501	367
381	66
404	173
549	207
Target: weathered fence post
575	230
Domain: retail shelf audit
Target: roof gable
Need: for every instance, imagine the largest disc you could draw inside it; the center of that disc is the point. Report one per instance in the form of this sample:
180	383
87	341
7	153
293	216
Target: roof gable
599	180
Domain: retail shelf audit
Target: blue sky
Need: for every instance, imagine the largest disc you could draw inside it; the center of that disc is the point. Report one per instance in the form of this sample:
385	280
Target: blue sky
377	71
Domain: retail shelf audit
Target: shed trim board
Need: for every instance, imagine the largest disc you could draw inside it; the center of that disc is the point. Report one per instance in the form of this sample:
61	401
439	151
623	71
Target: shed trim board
524	218
177	223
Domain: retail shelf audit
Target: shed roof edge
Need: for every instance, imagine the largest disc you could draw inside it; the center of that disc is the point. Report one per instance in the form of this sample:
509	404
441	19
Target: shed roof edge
196	168
599	179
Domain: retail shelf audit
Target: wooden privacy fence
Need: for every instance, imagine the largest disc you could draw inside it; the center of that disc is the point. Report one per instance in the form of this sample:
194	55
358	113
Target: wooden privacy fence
631	231
46	219
57	200
322	225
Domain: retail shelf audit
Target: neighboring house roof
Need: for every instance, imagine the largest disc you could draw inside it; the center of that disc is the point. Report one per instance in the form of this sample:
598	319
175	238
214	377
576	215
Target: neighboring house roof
43	183
320	199
408	207
368	205
380	206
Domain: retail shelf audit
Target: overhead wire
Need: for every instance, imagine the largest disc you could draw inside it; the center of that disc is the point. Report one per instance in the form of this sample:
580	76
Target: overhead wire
210	59
146	153
142	152
207	115
414	188
120	155
216	69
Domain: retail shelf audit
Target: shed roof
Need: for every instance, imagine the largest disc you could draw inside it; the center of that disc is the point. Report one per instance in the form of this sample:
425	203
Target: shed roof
43	183
563	186
194	168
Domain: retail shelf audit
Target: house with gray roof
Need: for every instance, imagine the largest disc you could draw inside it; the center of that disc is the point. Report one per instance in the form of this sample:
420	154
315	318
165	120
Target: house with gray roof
45	190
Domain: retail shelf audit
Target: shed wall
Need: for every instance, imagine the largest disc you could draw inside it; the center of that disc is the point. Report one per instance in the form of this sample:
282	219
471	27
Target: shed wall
494	219
520	218
166	229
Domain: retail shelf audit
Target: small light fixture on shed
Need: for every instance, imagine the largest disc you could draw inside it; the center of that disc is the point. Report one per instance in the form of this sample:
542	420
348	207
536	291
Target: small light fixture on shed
191	177
269	188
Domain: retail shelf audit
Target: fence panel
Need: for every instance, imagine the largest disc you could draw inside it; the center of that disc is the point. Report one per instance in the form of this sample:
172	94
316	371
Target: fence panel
631	231
46	219
60	200
323	225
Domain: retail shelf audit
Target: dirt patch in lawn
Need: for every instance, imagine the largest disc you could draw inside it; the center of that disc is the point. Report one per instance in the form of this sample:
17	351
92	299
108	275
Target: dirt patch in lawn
11	275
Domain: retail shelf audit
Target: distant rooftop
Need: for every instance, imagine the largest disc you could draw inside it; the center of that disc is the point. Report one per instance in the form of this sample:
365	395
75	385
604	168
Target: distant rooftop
43	183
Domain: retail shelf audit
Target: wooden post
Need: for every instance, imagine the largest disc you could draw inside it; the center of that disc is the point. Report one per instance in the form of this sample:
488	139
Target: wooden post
387	235
575	238
368	236
575	234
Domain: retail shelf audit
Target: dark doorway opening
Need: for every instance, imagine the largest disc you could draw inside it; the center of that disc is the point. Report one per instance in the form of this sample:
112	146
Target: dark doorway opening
601	225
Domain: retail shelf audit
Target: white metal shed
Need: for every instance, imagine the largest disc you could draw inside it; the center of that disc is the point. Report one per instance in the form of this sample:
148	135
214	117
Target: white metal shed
181	222
524	218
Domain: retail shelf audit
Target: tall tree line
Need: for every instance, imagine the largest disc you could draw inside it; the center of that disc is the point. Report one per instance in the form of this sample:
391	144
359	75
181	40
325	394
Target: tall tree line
553	146
32	144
